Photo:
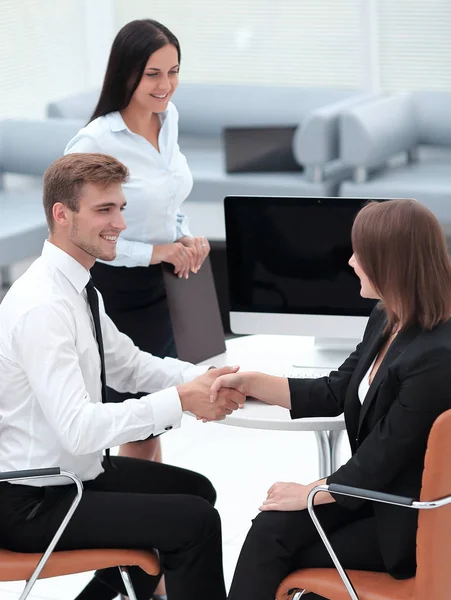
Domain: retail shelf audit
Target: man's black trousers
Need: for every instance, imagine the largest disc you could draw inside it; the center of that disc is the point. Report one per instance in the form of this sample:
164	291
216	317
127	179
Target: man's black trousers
140	505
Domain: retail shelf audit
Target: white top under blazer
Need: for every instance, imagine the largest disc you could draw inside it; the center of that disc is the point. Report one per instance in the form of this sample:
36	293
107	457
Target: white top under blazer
365	383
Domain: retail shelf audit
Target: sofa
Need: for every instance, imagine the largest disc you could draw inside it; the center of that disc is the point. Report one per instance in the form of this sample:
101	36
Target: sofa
27	148
400	146
206	109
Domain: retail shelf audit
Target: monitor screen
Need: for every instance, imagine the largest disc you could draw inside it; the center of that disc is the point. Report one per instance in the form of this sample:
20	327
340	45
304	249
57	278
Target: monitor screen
289	255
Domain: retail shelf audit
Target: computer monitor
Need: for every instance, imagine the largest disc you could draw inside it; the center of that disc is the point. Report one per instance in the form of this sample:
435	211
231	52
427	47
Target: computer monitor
288	268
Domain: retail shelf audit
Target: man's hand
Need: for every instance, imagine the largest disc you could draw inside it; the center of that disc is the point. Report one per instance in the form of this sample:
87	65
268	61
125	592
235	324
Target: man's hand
230	381
195	396
177	254
200	248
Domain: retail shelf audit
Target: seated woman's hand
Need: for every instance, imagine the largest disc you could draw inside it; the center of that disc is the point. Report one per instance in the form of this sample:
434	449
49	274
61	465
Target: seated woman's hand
286	496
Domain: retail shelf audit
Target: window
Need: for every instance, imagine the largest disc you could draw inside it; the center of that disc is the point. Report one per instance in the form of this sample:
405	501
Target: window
42	54
272	42
414	44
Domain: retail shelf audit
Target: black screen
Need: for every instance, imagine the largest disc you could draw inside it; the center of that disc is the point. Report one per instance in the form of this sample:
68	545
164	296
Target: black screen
290	255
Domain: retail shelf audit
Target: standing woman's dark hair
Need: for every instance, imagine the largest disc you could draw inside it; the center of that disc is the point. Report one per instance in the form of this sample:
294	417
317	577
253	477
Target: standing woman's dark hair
129	54
402	249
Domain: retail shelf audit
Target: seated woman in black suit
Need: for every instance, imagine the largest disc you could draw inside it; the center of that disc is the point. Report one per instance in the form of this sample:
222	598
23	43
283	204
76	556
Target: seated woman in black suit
391	389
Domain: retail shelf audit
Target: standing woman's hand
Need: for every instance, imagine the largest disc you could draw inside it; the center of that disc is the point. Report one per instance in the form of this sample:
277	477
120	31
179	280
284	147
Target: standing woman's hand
177	254
200	248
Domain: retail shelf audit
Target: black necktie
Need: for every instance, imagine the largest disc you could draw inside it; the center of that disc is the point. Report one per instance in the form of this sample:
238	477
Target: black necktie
93	301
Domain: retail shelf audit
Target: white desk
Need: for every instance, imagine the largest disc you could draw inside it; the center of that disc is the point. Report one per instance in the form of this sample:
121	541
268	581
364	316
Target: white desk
268	352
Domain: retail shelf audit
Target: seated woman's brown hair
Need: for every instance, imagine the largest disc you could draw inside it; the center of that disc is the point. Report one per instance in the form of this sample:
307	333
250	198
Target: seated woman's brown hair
402	249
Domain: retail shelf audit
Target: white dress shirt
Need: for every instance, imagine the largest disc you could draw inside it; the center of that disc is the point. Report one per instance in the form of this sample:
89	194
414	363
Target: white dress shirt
51	412
159	182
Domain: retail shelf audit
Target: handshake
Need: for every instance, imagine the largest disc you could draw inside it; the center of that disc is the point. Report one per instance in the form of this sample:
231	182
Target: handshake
208	399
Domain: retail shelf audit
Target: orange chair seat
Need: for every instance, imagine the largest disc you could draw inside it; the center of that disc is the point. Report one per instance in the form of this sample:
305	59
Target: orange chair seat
328	583
16	566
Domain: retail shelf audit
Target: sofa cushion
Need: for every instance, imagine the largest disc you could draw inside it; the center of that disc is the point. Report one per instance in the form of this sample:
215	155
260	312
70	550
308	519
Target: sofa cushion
205	109
23	227
429	182
433	117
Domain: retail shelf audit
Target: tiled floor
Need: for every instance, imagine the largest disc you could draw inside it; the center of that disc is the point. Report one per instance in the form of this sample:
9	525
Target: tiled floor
242	463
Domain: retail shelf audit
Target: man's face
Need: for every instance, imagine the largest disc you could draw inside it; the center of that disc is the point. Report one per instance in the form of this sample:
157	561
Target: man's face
93	230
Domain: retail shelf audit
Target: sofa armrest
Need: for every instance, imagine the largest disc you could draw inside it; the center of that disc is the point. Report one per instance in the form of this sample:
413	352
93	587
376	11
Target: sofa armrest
371	133
316	140
28	147
76	106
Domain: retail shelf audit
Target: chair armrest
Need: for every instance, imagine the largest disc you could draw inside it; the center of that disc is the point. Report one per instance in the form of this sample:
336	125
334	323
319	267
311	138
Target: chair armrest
29	474
315	141
346	490
39	474
373	132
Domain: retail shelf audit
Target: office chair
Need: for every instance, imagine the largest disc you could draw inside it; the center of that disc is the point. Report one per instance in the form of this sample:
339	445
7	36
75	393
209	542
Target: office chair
18	566
433	576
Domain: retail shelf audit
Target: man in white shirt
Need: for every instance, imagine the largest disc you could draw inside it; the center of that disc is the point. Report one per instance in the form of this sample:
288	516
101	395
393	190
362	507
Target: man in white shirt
54	357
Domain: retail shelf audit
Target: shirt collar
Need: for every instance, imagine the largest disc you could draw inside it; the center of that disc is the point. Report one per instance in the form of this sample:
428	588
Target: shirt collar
117	123
69	267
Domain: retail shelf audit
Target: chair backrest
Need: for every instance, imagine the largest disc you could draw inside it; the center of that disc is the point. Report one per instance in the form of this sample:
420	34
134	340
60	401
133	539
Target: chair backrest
195	317
433	578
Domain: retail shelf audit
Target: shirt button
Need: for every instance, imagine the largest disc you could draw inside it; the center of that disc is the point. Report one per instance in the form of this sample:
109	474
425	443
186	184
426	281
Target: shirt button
168	428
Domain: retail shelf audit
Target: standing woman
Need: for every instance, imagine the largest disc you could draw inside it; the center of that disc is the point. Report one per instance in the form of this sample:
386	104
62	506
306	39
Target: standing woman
135	122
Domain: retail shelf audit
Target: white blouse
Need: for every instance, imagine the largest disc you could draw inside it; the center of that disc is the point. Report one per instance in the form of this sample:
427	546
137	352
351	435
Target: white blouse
365	383
158	185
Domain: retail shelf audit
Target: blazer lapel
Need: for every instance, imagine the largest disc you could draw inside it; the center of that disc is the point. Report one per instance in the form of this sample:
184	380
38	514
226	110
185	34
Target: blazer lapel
353	406
399	345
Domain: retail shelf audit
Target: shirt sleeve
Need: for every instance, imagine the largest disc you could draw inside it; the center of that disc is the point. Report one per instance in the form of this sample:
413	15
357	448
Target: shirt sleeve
132	253
182	227
83	424
83	143
325	396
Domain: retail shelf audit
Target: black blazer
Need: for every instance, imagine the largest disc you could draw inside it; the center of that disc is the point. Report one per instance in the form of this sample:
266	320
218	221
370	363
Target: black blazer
388	433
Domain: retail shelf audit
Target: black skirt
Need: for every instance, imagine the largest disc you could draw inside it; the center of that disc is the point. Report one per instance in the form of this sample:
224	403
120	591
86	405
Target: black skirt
135	300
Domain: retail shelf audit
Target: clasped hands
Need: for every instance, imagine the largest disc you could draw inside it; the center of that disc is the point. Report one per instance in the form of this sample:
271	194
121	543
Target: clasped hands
186	254
196	396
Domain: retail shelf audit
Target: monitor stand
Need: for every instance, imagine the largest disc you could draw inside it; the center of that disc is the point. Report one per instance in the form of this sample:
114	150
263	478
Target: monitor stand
323	344
327	353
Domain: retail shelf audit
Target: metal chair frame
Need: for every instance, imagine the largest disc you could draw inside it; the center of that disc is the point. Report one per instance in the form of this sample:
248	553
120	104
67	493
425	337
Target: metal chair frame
345	490
56	472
